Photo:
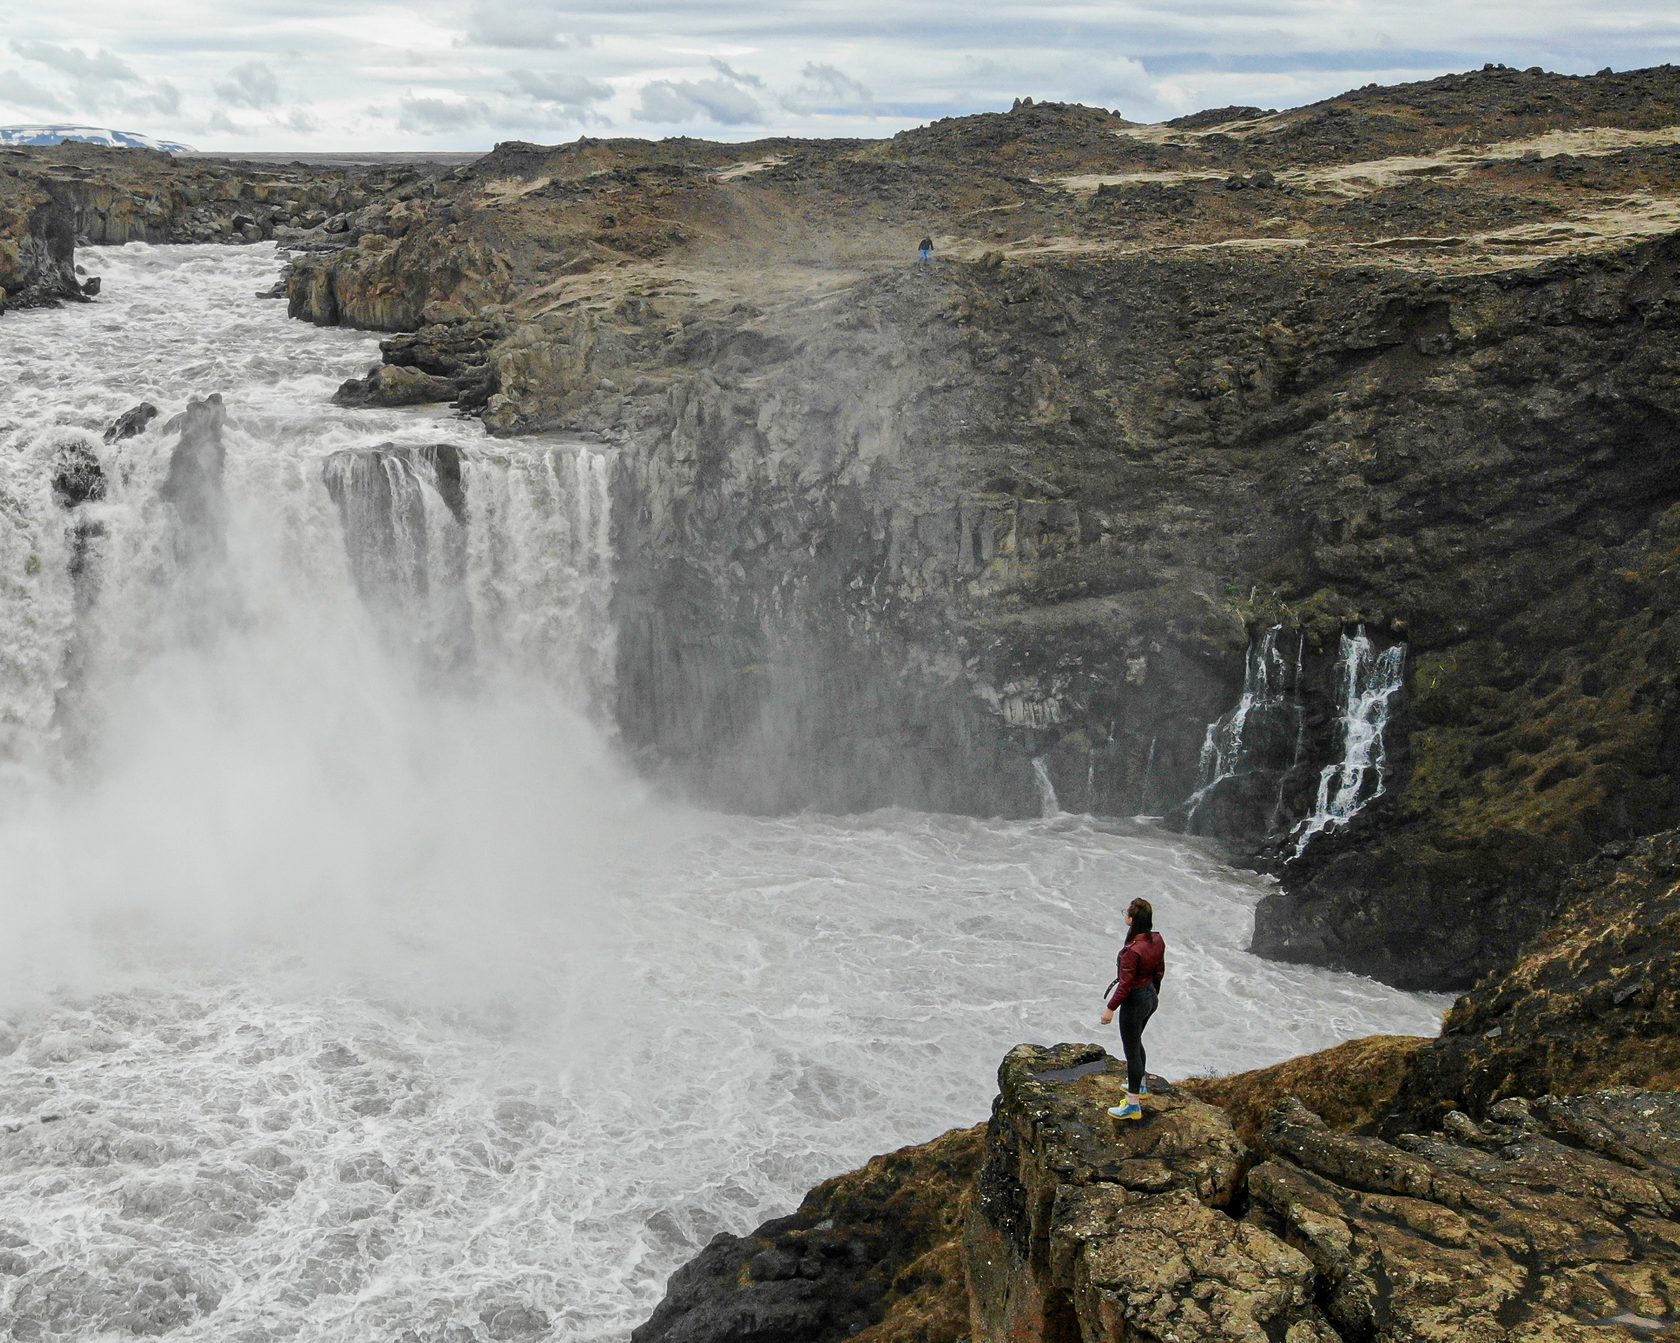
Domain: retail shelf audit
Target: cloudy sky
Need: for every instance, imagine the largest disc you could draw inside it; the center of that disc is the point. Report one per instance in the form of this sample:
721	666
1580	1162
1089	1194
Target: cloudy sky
462	74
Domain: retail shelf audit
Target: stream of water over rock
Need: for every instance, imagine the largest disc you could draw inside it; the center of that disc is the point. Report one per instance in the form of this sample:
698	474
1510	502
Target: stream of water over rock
350	985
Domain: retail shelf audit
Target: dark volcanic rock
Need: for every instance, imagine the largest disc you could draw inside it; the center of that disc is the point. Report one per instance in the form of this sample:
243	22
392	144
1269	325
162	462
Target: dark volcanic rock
871	1256
131	422
77	475
1594	1002
194	483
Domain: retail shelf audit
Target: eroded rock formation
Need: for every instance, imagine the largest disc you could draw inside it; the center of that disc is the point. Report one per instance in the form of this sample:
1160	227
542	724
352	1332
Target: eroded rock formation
1551	1219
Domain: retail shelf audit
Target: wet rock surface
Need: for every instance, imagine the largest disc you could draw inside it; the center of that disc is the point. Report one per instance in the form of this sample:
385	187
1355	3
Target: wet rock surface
394	386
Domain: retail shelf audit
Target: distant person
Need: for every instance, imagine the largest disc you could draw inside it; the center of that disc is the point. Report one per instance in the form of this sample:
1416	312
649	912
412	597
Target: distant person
1136	991
925	247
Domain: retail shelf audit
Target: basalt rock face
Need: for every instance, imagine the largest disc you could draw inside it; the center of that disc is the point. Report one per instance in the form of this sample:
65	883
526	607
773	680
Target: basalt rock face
1593	1002
37	252
893	532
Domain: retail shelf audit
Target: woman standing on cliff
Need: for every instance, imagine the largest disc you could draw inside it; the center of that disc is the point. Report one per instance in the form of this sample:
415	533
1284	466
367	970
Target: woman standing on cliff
1136	991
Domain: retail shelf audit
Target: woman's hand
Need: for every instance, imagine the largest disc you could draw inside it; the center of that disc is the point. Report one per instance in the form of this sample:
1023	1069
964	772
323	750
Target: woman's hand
1108	1015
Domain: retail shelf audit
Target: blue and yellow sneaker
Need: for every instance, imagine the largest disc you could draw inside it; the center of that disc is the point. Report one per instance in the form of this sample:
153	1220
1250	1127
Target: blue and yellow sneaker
1126	1111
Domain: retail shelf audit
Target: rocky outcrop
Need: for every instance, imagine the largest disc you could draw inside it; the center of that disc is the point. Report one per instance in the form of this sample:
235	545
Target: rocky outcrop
1353	1086
111	196
393	386
193	485
1556	1220
872	1256
131	422
1082	1228
1551	1219
37	252
1594	1002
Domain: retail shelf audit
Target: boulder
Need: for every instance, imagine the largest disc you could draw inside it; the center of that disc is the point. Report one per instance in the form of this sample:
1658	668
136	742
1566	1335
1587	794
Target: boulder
77	476
131	422
389	385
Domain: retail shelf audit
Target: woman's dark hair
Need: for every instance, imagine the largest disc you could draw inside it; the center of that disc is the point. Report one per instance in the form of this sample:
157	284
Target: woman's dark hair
1142	915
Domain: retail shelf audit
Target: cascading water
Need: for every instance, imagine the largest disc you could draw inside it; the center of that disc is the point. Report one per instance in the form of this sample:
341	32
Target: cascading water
349	986
1048	803
1223	749
1366	684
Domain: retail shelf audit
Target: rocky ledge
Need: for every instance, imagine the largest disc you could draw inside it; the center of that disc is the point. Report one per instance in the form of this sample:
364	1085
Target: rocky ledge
1550	1219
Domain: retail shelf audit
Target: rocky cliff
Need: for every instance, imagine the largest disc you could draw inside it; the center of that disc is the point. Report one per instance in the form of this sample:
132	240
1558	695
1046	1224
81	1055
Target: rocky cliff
1548	1219
1400	366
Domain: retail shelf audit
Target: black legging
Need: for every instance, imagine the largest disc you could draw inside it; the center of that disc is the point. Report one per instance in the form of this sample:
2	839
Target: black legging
1134	1016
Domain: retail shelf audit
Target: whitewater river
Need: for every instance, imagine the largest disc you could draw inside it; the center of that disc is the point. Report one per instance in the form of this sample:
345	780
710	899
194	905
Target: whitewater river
349	985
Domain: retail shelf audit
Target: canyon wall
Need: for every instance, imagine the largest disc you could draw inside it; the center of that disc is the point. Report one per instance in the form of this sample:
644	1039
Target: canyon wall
1394	373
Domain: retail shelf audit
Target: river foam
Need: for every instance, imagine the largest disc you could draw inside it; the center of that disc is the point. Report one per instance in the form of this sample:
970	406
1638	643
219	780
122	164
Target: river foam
353	990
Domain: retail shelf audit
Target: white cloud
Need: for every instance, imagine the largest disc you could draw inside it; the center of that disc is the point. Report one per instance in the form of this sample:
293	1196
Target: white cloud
162	99
823	88
27	96
677	102
429	116
556	87
252	84
515	23
223	124
102	66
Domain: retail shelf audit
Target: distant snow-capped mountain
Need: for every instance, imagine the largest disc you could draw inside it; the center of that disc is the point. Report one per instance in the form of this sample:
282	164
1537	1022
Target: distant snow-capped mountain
92	135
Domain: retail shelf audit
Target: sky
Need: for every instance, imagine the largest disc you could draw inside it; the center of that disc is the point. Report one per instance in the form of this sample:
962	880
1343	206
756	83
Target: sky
463	74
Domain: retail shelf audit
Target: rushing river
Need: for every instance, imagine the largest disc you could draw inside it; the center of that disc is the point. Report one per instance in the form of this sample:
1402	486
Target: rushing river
350	985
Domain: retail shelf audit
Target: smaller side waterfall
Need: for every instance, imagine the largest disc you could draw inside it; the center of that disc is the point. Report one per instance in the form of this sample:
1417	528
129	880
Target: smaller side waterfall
1367	682
1048	804
1264	687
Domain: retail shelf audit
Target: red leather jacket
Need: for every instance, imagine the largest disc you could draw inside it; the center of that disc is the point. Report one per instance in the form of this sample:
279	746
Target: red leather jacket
1141	961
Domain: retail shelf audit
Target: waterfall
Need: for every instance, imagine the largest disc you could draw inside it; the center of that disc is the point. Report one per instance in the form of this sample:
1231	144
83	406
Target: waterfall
1264	687
1048	805
1148	777
485	560
1367	682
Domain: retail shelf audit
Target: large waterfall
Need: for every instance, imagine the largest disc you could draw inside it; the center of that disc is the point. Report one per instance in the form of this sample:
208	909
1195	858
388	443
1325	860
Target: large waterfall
350	984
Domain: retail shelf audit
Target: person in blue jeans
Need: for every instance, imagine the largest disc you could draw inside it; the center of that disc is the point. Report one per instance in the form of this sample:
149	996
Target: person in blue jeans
925	249
1136	993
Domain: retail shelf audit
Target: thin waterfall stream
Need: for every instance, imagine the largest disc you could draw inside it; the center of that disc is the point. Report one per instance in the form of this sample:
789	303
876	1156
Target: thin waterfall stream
351	982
